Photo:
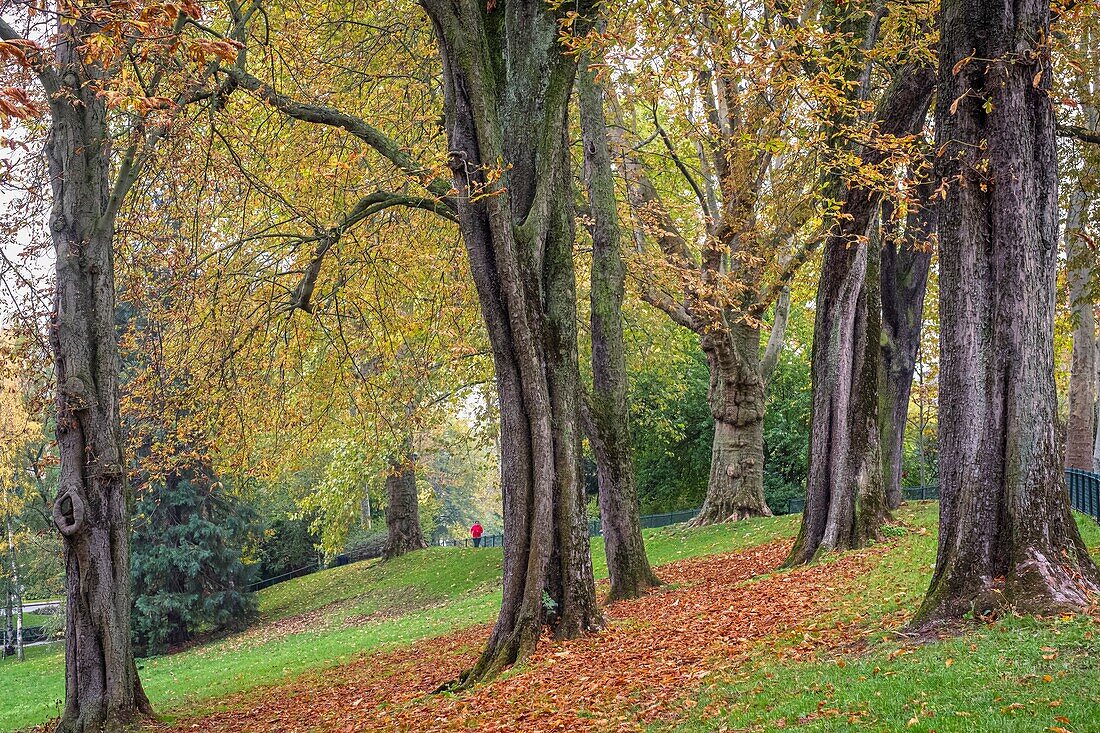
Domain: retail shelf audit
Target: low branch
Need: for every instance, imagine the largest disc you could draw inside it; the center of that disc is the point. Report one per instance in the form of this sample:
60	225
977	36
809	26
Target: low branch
1077	132
331	117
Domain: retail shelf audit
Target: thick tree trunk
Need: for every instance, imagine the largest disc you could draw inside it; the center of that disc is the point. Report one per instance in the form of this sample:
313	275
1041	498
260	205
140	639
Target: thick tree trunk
845	497
903	278
102	690
1081	429
507	81
402	506
1007	538
608	423
735	395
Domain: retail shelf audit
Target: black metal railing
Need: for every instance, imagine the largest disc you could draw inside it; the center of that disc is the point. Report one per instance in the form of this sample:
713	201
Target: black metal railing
595	528
1084	491
1083	486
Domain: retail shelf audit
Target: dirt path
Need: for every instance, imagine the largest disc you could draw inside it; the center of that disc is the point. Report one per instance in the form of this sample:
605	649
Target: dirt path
646	665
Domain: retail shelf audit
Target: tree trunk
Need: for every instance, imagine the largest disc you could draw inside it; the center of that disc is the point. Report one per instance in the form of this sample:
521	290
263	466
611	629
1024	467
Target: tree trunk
102	690
16	590
608	423
735	395
903	277
402	506
507	82
1081	429
845	498
1007	538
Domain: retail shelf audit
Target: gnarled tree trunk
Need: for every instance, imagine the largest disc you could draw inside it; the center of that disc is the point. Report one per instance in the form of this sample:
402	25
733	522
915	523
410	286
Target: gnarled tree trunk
608	416
736	399
102	689
903	278
845	497
403	532
507	81
1006	534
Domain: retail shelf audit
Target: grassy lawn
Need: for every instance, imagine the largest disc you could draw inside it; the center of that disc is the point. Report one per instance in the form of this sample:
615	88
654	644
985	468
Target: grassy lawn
349	611
1016	675
1019	674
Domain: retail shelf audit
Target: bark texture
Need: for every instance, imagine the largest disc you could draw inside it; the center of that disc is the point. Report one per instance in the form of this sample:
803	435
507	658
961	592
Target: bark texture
735	395
1081	429
903	278
403	532
102	690
845	498
507	81
608	416
1006	534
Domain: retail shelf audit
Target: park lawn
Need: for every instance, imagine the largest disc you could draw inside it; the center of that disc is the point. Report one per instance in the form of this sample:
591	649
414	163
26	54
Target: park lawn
1017	674
336	615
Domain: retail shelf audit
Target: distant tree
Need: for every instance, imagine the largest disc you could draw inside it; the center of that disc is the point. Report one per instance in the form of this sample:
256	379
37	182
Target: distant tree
186	560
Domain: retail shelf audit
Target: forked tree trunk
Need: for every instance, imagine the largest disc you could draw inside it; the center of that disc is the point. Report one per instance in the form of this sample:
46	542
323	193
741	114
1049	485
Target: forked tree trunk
845	496
903	277
403	532
735	395
1081	429
1007	538
507	81
102	690
608	418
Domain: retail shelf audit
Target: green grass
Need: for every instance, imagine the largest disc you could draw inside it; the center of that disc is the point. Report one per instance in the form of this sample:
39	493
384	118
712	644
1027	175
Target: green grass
366	607
355	609
31	619
1018	674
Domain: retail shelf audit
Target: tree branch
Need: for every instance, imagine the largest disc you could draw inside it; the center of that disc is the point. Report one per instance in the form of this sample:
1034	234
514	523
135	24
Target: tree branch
372	136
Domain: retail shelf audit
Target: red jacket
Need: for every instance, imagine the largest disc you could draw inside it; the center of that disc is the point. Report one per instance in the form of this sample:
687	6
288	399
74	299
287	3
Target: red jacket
476	530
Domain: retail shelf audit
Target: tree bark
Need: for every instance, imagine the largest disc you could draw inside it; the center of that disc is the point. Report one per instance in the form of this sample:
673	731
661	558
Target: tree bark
102	690
735	395
402	505
608	415
903	277
1081	429
1007	538
845	498
507	82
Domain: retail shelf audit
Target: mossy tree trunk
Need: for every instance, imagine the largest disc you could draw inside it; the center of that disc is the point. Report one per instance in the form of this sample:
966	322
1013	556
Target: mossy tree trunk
608	412
507	81
1081	428
1007	538
845	497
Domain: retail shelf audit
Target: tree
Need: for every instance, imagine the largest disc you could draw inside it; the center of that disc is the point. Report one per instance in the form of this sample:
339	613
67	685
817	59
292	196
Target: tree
906	257
89	99
608	411
1007	537
507	82
403	532
845	496
188	573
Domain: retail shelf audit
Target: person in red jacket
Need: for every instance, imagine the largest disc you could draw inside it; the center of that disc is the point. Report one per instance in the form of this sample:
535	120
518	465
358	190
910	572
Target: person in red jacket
476	532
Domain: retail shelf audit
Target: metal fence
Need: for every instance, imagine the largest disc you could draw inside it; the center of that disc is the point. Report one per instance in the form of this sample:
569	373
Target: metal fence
1084	491
595	528
1084	495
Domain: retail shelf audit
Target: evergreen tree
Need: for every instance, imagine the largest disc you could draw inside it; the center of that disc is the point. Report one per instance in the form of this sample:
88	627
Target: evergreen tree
188	574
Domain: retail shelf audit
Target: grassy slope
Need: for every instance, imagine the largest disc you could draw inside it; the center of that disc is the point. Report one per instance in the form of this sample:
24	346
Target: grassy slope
352	610
1019	674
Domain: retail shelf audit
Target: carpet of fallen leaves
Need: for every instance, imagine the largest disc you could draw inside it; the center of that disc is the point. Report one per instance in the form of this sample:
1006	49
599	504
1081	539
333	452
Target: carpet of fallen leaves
645	666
